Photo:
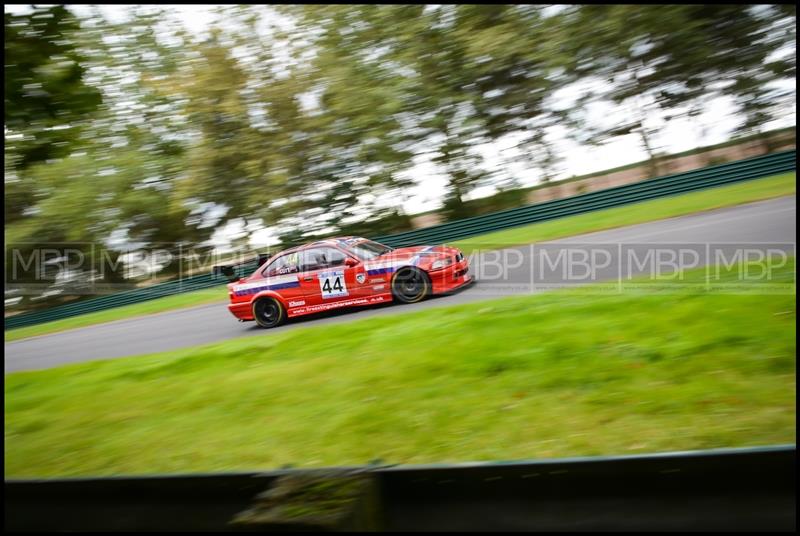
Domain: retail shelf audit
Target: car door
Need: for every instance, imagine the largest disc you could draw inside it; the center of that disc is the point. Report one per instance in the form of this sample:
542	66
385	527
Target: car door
282	275
326	279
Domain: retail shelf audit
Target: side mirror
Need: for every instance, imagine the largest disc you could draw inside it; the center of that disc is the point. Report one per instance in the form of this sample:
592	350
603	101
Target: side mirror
350	262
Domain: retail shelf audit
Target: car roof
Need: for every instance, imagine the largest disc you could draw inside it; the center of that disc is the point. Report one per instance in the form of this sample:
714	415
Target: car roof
337	241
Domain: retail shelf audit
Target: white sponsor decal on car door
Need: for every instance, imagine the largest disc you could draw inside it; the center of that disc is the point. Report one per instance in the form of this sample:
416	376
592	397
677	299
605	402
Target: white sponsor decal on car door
332	284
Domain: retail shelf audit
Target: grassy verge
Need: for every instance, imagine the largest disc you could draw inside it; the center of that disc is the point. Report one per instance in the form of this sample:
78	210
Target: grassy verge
558	374
178	301
595	221
657	209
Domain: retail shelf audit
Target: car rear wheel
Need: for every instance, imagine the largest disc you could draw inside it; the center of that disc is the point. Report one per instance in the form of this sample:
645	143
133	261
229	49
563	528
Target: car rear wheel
410	285
268	313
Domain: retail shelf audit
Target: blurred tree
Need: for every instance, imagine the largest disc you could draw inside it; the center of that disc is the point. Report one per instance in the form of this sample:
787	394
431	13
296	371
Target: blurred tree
343	110
109	184
757	88
250	154
142	134
663	61
46	104
45	90
45	97
484	72
229	157
446	79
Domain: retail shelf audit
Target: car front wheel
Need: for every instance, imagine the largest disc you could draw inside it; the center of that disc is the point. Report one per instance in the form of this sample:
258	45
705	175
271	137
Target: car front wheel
410	285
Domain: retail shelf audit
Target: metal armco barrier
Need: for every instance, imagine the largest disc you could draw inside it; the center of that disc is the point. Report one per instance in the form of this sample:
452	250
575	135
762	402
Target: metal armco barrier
725	489
668	185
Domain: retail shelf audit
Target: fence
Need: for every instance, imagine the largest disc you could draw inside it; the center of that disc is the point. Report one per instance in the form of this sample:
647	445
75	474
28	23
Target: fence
668	185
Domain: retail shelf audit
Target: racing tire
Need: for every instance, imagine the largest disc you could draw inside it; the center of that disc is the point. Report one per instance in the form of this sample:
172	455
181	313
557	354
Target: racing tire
268	312
410	285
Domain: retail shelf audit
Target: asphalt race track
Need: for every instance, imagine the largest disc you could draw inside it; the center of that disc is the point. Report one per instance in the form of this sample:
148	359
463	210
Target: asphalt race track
522	270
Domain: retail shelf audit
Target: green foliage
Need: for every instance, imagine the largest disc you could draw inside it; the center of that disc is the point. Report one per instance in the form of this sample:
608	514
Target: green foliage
44	83
454	76
116	164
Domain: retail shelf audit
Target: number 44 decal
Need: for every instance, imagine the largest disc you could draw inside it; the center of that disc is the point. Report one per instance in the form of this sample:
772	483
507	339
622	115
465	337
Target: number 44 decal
332	284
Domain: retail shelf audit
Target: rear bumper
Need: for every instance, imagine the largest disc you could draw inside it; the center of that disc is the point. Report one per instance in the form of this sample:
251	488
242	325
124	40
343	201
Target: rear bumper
451	278
241	310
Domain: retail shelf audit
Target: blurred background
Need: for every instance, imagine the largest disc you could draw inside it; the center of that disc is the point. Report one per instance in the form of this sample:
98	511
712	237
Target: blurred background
228	129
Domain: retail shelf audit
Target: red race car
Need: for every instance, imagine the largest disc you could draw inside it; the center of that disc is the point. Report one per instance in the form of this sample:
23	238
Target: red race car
344	272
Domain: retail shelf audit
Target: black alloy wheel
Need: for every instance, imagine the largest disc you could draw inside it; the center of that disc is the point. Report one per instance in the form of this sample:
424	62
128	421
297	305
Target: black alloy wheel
267	312
410	285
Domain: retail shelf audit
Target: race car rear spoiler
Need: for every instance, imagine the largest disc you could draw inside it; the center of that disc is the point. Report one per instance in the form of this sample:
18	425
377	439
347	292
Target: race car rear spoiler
229	270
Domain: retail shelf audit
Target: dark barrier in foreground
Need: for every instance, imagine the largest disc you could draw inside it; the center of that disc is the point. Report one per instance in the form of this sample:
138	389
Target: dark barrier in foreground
725	489
708	177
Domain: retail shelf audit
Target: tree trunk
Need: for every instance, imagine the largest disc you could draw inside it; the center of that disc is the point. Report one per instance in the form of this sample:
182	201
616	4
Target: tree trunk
764	140
652	163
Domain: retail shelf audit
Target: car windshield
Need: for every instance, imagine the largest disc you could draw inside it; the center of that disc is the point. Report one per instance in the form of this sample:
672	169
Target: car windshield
368	250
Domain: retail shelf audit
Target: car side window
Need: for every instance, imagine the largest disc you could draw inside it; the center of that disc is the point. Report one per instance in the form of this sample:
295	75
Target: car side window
286	264
318	258
335	257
